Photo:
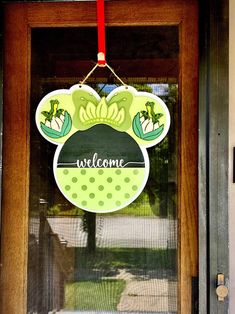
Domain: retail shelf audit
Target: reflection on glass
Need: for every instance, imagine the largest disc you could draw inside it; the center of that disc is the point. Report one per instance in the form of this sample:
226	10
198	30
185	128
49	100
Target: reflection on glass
124	261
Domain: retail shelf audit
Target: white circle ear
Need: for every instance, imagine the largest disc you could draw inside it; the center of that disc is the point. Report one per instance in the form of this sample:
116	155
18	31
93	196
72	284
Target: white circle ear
56	114
53	116
150	117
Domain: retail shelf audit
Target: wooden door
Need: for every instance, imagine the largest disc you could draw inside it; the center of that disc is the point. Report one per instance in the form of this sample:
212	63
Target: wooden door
21	21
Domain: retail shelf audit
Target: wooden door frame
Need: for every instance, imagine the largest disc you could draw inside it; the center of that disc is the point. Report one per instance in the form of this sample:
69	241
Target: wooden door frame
19	19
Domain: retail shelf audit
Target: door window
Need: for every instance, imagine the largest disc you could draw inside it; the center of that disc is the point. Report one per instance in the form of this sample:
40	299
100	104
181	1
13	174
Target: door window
121	261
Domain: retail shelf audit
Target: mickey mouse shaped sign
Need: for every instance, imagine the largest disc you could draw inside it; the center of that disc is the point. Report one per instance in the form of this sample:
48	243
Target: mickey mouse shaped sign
101	163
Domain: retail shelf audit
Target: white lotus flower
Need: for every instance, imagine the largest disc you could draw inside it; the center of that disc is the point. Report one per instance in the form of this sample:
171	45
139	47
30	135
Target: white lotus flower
55	125
156	126
142	119
62	117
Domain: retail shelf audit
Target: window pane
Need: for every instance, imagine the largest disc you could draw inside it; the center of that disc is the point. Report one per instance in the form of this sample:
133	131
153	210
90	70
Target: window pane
124	261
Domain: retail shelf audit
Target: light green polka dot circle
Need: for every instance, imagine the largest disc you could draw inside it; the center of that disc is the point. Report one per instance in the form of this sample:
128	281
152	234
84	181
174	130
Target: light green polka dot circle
100	190
67	187
117	188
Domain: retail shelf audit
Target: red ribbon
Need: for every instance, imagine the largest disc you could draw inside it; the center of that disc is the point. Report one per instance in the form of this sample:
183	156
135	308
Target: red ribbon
101	33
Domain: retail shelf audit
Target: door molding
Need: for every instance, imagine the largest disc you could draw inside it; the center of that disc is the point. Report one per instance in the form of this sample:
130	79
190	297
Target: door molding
20	18
213	152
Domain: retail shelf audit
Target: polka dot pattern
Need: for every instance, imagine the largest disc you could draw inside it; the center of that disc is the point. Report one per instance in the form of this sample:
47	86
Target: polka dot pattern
100	190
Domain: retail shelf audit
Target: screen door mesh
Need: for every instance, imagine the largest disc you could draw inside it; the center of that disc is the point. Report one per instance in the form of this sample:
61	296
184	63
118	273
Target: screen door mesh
122	262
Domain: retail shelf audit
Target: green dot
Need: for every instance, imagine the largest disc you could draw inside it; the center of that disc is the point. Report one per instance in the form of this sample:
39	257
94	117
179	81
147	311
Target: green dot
74	179
135	171
83	171
127	195
100	171
91	195
109	195
101	187
118	171
117	188
74	195
67	187
84	187
134	187
92	180
127	179
101	203
118	203
65	171
84	203
109	179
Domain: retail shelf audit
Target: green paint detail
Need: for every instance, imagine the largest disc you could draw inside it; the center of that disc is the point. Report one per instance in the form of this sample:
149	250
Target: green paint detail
54	112
110	193
150	113
134	187
66	127
49	132
154	134
137	128
150	136
90	111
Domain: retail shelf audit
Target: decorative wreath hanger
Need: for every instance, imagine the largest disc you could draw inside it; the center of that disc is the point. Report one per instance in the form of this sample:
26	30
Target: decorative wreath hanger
101	162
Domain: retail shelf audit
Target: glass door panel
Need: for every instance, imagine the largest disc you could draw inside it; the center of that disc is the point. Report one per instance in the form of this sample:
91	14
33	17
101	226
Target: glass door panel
126	261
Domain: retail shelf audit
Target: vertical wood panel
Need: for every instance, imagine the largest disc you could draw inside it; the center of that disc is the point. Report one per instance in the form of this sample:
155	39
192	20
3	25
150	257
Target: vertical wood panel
217	104
203	172
189	147
15	163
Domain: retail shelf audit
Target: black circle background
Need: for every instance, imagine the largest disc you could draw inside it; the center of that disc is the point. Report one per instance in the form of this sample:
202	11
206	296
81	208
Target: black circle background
103	140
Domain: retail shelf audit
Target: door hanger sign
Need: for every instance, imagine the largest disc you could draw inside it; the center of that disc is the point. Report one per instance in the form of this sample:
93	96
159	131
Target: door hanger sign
101	163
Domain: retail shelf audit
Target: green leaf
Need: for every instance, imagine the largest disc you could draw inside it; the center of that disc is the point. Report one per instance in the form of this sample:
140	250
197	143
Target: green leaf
120	116
90	110
137	127
82	115
50	132
102	109
67	125
150	136
154	134
112	111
